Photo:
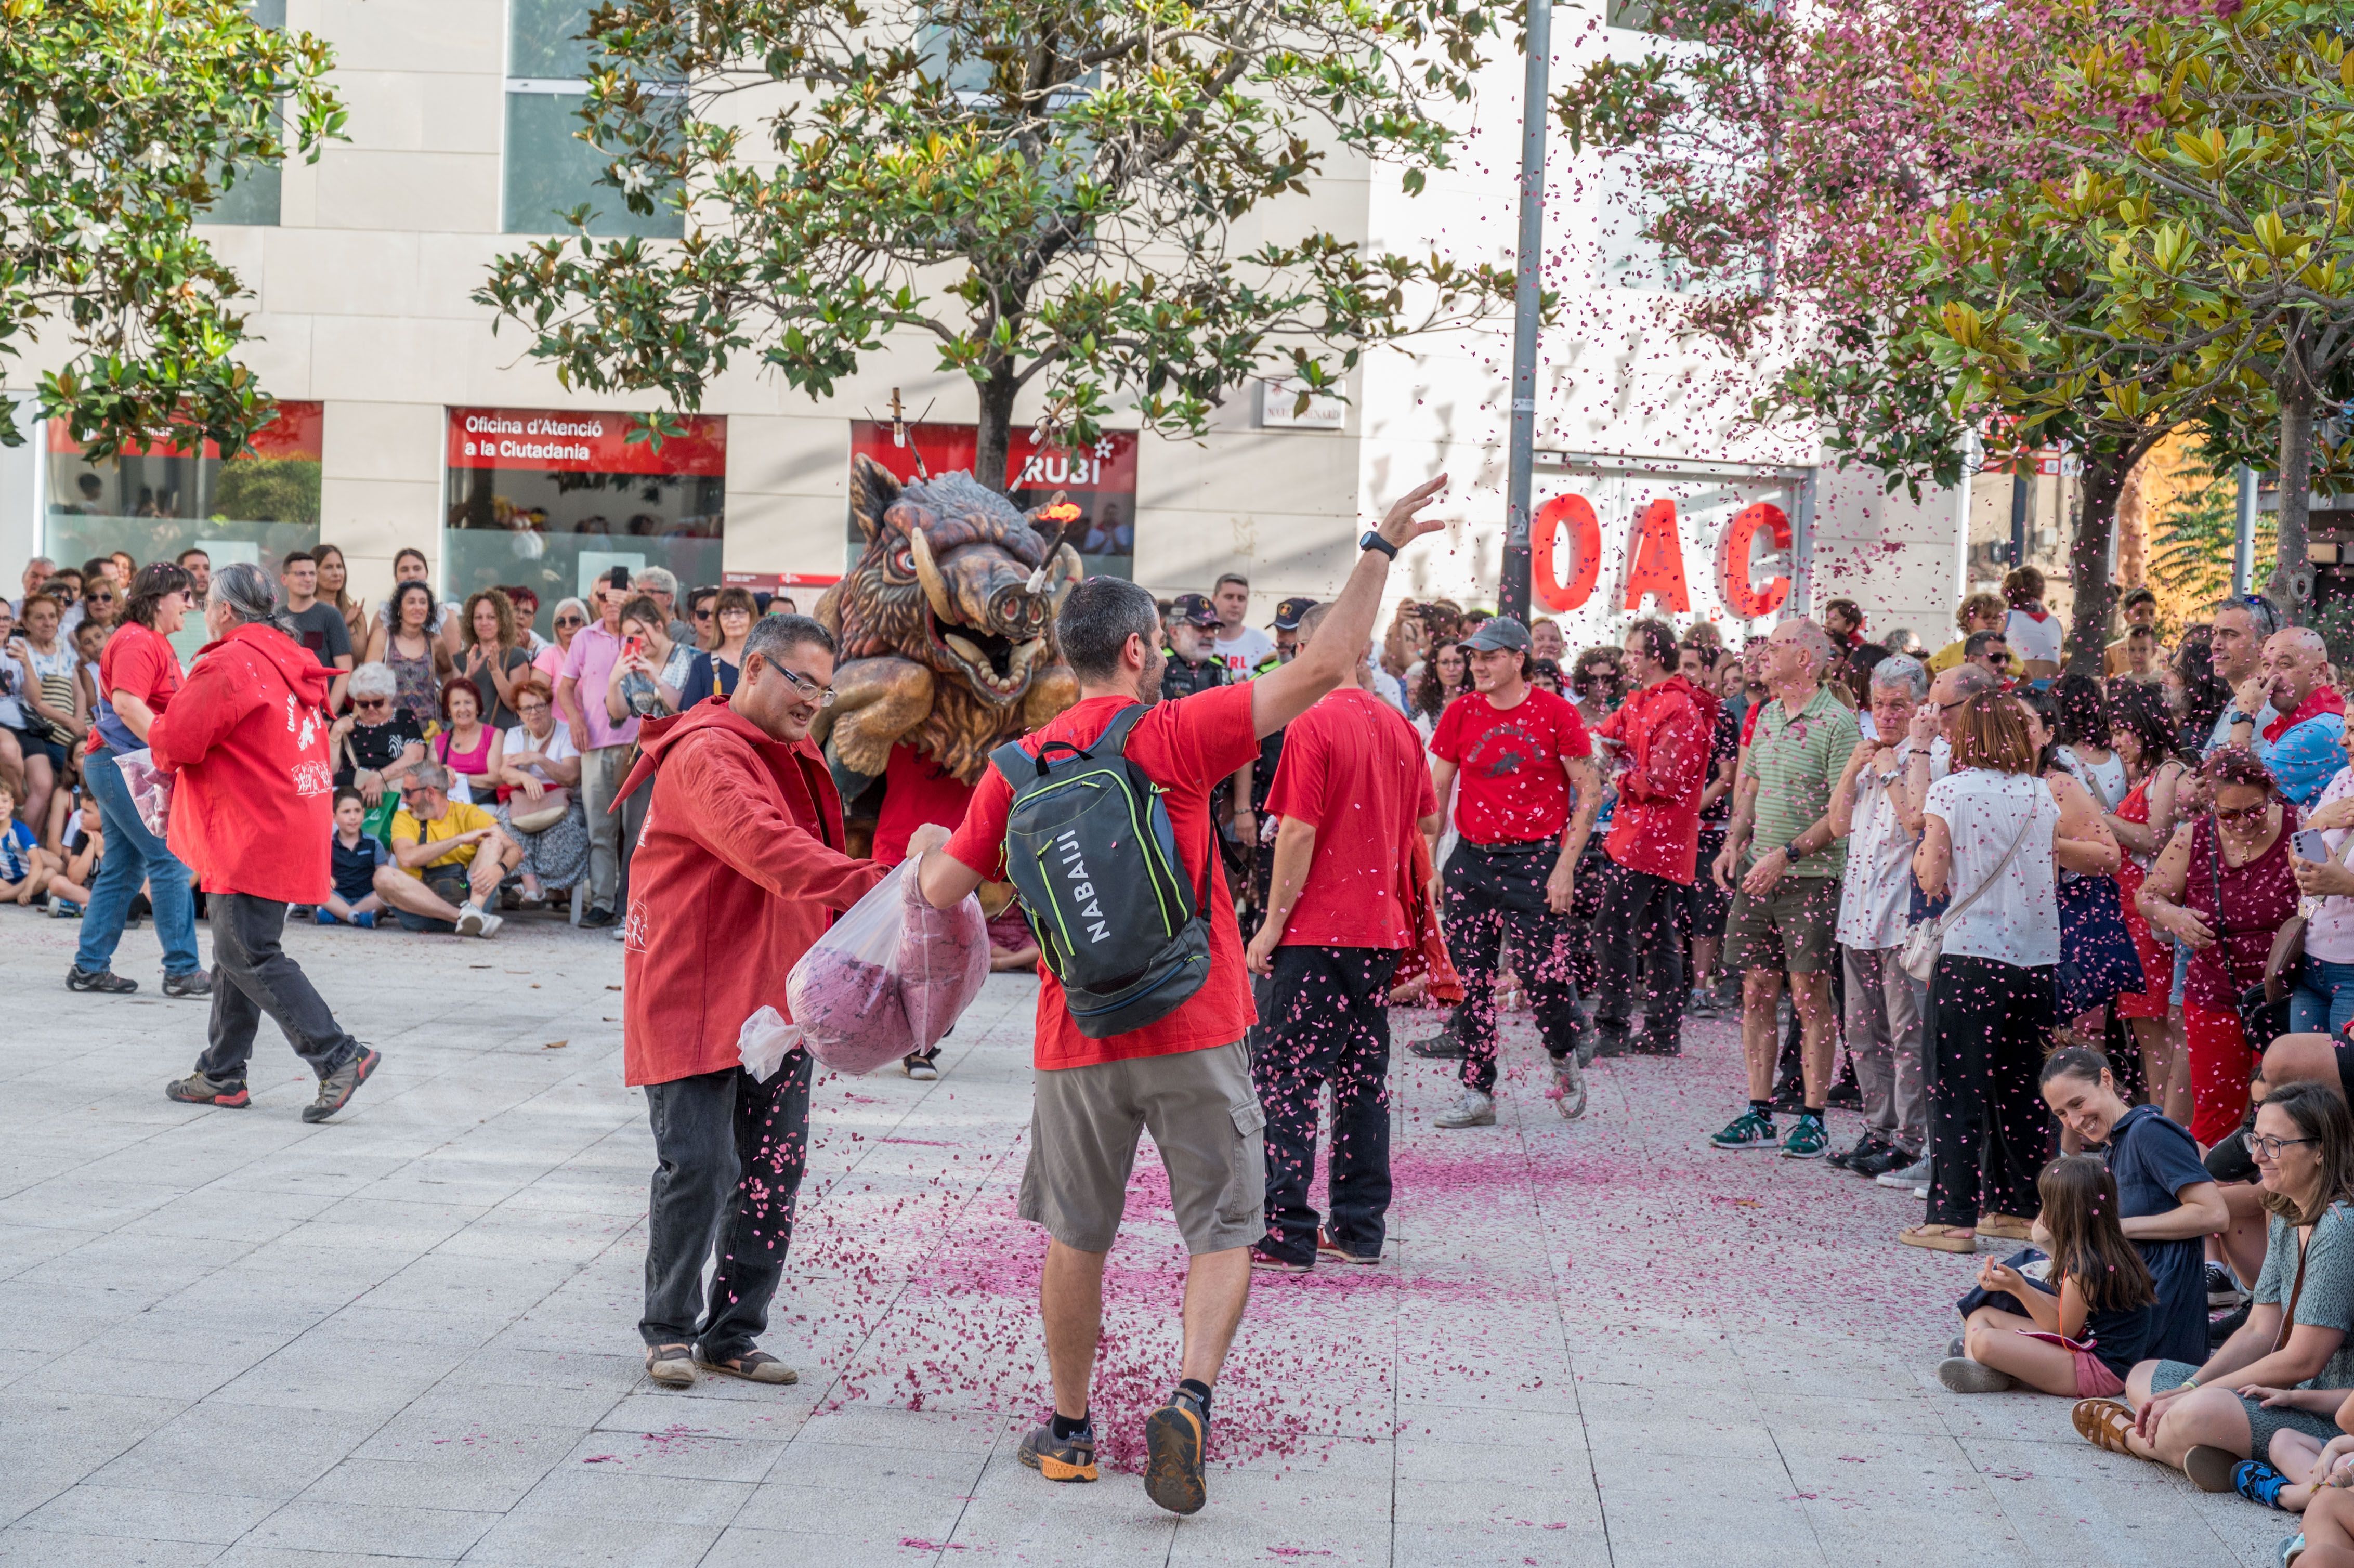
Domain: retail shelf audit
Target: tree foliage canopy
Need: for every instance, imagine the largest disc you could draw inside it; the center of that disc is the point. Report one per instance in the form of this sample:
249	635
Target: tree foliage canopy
1053	191
121	121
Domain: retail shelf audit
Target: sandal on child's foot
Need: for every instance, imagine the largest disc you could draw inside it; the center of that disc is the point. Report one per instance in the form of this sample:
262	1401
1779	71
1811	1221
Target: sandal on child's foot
2258	1482
2104	1424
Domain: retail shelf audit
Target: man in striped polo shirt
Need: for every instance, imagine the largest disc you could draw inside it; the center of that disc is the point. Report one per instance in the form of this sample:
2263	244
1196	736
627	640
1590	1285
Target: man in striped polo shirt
1782	864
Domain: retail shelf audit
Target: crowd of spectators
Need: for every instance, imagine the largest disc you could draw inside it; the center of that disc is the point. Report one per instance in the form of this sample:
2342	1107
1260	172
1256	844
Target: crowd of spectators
447	731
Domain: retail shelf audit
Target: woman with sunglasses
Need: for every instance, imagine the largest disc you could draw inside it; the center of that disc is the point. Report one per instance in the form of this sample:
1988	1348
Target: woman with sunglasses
2222	887
405	643
138	677
2264	1394
714	672
377	741
1599	680
571	615
699	616
539	794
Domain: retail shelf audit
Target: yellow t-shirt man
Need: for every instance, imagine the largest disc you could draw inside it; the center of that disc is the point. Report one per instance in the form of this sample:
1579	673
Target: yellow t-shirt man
458	817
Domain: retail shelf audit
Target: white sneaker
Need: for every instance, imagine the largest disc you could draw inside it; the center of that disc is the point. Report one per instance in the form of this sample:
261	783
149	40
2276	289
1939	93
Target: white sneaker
491	924
1569	1080
471	918
1913	1175
1474	1109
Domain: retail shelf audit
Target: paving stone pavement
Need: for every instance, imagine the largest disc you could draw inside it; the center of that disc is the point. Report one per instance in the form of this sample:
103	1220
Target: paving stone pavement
409	1336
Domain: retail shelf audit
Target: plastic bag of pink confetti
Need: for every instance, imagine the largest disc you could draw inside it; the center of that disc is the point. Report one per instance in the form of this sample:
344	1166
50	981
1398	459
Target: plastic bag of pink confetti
943	959
844	993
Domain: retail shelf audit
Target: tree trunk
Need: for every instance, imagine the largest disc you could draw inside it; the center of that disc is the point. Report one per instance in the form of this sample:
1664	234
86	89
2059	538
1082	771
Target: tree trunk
995	435
2292	581
2088	561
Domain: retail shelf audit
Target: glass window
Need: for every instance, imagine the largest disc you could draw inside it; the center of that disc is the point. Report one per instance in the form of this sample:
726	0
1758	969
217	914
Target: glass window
156	502
548	169
544	499
254	199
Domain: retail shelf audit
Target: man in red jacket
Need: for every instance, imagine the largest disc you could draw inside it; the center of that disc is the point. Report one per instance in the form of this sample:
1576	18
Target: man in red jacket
246	742
1660	736
739	868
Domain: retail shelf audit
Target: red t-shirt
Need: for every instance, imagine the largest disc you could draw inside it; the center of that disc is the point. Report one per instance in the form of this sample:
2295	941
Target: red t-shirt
1749	724
138	661
1186	745
1512	788
1353	771
915	790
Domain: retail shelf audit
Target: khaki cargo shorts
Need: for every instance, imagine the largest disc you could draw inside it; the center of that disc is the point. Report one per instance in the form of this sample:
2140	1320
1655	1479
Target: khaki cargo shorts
1205	1119
1789	930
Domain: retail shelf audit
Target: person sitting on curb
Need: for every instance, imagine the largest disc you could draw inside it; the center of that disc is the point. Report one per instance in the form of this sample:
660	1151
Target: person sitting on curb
444	850
355	859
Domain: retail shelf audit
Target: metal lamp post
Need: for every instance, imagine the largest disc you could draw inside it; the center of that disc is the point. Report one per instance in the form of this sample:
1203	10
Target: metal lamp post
1513	598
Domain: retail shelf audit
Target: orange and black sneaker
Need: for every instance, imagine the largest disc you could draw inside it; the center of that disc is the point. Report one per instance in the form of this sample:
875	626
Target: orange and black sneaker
1071	1458
196	1090
1174	1437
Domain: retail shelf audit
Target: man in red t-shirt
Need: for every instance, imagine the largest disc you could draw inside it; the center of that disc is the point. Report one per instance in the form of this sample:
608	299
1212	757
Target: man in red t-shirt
1348	795
1186	1076
1660	736
1518	752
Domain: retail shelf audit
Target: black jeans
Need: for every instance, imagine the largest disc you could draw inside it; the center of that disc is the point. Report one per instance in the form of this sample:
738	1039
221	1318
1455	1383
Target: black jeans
731	1155
1329	1023
1493	893
1643	913
252	976
1990	1132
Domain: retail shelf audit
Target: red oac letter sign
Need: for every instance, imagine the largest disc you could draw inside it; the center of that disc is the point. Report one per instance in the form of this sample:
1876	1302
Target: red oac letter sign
1655	558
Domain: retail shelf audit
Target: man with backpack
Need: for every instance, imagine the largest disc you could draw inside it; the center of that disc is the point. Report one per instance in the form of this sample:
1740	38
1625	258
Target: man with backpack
1102	821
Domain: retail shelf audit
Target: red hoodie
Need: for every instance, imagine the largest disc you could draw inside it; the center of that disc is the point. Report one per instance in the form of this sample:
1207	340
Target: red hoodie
738	870
252	799
1663	732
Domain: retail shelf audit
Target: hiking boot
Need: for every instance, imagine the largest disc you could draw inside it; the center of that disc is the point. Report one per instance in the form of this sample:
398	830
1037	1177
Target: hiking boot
195	983
1174	1436
1473	1108
1753	1129
1809	1140
1071	1458
1568	1092
105	981
196	1090
335	1090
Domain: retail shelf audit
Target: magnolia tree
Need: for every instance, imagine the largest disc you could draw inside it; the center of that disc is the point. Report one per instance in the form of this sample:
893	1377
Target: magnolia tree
121	123
1049	193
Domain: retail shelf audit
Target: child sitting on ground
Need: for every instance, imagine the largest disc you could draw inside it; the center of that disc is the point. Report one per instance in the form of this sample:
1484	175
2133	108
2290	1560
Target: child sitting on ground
25	865
353	900
70	888
2084	1332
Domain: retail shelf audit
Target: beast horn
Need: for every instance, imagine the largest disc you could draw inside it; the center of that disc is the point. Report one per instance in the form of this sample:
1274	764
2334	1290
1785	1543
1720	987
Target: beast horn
927	572
1068	568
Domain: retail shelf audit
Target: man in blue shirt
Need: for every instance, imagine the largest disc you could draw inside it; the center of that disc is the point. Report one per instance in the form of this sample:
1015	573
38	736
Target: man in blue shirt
2300	743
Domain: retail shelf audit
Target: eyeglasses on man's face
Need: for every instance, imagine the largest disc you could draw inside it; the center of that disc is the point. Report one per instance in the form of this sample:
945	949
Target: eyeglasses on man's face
810	690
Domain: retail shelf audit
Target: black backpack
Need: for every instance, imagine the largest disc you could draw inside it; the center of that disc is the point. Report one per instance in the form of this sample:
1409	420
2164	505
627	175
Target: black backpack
1090	851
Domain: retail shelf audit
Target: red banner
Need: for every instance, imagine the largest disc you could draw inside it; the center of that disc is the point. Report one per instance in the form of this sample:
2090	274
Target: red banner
769	582
296	432
551	441
1107	463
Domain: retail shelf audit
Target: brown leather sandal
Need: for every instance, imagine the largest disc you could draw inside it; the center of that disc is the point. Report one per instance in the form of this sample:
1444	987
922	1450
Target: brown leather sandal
2104	1423
673	1366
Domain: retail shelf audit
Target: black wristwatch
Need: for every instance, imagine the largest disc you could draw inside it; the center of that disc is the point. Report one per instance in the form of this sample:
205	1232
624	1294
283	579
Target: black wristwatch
1374	541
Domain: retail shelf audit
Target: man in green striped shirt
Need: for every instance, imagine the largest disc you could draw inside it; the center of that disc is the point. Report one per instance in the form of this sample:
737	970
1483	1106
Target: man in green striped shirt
1782	864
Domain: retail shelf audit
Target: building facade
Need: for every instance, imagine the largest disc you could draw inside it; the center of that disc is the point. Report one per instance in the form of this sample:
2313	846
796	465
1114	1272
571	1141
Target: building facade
410	423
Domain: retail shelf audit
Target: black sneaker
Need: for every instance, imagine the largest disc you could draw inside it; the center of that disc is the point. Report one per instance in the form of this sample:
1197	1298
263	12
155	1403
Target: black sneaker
1071	1458
1871	1167
598	919
1174	1436
1847	1095
2222	1289
105	981
195	983
1864	1148
335	1090
1613	1038
2223	1328
1444	1046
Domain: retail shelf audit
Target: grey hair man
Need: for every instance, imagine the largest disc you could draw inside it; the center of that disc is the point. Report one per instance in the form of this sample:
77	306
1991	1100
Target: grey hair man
447	859
1783	863
1883	1003
660	585
2241	626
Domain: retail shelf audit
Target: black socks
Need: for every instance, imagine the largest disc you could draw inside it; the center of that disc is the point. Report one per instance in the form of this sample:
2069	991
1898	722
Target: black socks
1069	1426
1198	1389
1763	1107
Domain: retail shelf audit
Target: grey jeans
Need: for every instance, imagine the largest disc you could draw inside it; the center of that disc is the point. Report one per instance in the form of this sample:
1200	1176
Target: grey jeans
253	976
611	834
1884	1037
730	1153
